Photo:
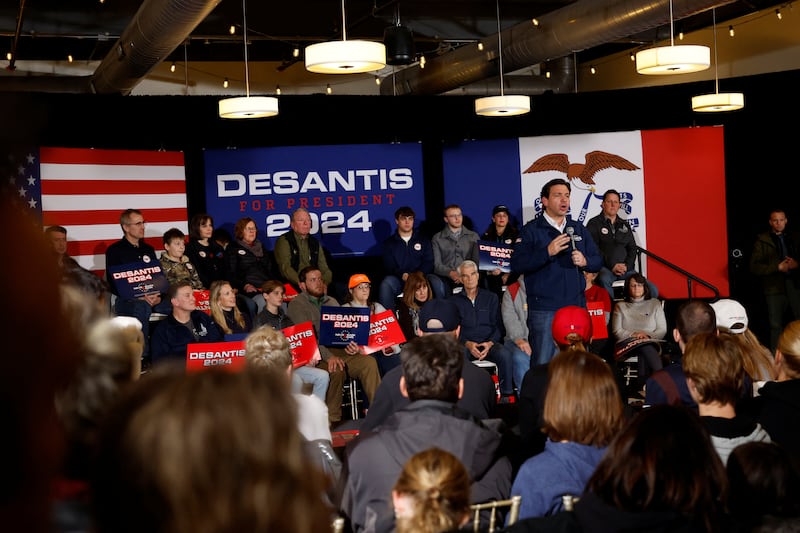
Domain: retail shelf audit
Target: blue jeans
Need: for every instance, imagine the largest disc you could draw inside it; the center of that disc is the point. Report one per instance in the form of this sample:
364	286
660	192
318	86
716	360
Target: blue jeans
391	286
318	378
521	362
500	356
541	335
605	278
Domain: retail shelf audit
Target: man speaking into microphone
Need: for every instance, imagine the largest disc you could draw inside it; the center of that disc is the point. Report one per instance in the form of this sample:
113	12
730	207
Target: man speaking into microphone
552	252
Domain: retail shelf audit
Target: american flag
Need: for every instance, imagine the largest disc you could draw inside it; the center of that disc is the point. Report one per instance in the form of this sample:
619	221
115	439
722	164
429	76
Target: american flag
85	190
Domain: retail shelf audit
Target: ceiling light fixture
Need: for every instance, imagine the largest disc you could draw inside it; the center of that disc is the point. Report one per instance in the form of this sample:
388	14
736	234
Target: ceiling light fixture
672	59
345	57
731	31
172	67
225	83
716	101
247	106
778	14
503	105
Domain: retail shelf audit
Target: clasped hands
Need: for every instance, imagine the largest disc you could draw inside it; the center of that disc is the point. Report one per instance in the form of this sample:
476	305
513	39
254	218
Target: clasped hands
479	350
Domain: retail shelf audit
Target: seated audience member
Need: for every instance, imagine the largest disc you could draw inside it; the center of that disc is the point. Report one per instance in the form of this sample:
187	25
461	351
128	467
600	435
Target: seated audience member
514	311
480	327
416	291
500	231
297	249
307	307
405	251
660	474
174	261
764	487
777	406
41	354
132	248
595	293
221	237
112	355
668	386
432	493
715	376
268	349
640	316
57	237
245	467
247	260
359	287
228	317
583	411
432	381
205	254
614	237
185	325
435	317
571	329
451	247
756	359
273	315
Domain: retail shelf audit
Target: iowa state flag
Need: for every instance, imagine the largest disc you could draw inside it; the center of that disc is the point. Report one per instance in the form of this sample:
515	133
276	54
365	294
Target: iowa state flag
671	182
85	191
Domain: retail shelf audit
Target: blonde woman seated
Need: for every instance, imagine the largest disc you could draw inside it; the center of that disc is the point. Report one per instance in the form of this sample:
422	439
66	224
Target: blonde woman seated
432	493
222	301
359	296
640	317
583	411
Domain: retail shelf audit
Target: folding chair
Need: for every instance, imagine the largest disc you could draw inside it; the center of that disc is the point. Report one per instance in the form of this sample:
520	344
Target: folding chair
513	513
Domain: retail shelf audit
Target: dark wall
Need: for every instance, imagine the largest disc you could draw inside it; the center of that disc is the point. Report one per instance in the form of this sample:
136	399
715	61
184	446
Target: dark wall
760	140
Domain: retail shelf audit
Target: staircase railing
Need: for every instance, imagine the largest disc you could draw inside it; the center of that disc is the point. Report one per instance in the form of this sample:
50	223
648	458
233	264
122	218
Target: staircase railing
689	276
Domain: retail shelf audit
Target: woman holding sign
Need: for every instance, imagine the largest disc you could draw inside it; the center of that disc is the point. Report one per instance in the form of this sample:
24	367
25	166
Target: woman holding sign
360	287
274	316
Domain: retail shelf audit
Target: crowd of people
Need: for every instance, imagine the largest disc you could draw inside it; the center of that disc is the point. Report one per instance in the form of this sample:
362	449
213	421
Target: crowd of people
715	430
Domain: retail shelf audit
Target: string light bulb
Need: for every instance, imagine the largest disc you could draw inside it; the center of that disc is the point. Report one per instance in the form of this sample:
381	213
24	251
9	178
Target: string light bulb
480	46
172	67
69	58
328	89
547	74
778	14
225	83
232	29
633	56
593	70
680	35
377	80
730	31
535	22
278	90
422	62
296	52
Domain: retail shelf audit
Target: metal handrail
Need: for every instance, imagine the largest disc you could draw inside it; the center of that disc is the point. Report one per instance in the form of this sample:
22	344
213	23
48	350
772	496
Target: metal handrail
689	276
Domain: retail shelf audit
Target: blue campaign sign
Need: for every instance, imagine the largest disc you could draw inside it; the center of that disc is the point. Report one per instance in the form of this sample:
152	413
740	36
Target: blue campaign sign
338	326
133	280
351	191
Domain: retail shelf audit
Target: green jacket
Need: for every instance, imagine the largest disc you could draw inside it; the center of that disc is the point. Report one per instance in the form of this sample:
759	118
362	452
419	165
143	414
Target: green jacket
764	262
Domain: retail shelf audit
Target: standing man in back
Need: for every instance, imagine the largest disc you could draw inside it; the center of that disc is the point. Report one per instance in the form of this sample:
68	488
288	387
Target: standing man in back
552	253
774	260
452	246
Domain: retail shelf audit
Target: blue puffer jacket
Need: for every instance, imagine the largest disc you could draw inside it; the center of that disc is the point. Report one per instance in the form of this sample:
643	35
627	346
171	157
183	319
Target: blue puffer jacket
553	282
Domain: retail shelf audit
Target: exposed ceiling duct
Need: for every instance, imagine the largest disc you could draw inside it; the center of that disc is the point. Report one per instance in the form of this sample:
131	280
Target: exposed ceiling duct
561	80
582	25
158	28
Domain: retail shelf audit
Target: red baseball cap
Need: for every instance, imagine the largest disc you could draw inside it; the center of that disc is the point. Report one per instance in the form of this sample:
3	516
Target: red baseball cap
571	319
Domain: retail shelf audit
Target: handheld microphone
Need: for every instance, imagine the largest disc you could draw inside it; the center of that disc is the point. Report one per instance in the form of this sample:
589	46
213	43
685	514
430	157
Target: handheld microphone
571	232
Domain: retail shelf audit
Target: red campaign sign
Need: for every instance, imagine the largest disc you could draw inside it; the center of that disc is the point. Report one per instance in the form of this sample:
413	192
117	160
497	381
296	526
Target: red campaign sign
205	355
598	315
202	301
289	292
384	331
302	343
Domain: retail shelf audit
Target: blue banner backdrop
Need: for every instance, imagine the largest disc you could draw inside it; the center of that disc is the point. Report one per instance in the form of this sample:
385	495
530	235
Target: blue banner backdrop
351	191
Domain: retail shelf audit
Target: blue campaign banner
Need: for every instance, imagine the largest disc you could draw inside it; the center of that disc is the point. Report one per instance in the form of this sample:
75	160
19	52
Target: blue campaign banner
479	175
338	326
494	255
351	191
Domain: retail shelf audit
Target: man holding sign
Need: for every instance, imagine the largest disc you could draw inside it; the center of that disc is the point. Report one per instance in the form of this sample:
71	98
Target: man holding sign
307	307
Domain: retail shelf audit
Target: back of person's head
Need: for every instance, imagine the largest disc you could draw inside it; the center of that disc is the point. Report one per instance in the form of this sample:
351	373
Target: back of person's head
789	347
641	280
693	317
432	367
221	236
432	493
439	316
206	452
663	460
414	281
268	348
714	365
582	403
756	358
763	482
173	234
572	328
40	354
